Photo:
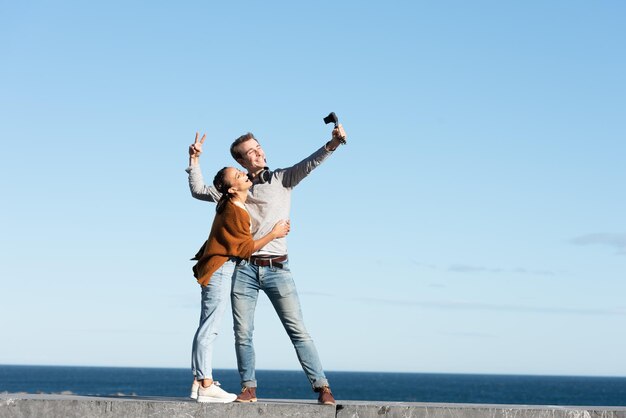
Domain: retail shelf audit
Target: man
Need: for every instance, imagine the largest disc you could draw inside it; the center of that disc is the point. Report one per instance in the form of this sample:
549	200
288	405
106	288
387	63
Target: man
268	202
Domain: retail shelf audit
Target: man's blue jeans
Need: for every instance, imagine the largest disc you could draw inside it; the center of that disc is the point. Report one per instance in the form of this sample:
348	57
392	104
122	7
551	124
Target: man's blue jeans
214	302
279	286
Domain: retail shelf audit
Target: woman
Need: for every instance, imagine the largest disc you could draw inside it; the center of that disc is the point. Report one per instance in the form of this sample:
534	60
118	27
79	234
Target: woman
230	239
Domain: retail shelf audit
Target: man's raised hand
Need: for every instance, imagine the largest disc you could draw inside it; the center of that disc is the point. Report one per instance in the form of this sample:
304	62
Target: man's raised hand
339	137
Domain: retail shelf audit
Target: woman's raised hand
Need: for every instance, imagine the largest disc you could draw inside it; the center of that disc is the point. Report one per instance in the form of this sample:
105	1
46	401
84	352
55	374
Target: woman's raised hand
195	149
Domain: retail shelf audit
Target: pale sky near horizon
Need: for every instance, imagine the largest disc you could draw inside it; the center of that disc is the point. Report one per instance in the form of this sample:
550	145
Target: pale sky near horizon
474	222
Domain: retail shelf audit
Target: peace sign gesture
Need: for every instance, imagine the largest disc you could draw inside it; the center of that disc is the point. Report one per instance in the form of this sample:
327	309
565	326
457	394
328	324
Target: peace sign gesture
195	149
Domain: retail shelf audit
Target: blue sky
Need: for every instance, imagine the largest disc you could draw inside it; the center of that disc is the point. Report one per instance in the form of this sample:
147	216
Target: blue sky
472	224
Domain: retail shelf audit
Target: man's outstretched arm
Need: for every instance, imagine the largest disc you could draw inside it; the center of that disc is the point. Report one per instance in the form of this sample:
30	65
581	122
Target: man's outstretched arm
294	174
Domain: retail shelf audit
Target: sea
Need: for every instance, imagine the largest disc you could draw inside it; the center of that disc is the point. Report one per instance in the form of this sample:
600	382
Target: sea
289	384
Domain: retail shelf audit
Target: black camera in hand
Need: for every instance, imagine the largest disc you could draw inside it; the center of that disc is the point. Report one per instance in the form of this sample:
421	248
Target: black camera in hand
332	118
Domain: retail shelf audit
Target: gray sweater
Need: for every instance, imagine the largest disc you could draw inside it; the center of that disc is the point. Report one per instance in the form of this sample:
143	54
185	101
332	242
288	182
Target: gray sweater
267	202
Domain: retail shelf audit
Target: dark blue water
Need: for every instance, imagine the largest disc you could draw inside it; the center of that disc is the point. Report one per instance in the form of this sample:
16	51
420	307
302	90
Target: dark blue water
407	387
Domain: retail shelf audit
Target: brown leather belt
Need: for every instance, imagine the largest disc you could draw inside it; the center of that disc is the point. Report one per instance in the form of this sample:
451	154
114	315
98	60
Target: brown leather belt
268	261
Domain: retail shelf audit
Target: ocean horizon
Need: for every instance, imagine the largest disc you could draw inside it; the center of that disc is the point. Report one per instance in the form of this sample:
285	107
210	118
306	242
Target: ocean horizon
346	385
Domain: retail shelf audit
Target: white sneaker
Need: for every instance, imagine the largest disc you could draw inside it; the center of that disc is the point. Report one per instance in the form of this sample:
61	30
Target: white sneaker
215	394
194	389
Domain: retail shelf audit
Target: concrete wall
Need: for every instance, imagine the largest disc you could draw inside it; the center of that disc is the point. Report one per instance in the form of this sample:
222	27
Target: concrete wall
27	405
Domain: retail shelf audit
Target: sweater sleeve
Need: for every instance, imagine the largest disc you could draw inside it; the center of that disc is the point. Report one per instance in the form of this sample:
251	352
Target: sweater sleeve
296	173
198	188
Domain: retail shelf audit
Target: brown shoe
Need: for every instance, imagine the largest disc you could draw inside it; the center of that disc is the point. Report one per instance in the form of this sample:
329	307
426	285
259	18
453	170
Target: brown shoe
325	396
248	394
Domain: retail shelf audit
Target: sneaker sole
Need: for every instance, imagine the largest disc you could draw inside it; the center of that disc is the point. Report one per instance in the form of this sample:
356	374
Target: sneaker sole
208	399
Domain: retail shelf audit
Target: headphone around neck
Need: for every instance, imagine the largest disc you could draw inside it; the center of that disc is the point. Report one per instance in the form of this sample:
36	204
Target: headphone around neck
264	176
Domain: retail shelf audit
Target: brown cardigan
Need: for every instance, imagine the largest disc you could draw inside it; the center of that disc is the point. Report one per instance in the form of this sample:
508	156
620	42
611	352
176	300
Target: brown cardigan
230	237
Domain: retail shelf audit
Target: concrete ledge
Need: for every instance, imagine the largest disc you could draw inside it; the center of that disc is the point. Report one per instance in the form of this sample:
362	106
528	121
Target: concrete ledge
361	409
28	405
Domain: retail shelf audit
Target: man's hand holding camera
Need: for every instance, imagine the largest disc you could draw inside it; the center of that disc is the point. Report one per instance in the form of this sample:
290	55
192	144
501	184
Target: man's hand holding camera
338	138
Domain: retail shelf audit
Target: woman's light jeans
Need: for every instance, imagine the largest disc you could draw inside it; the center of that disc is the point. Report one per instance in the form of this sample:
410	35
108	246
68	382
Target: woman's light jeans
214	302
